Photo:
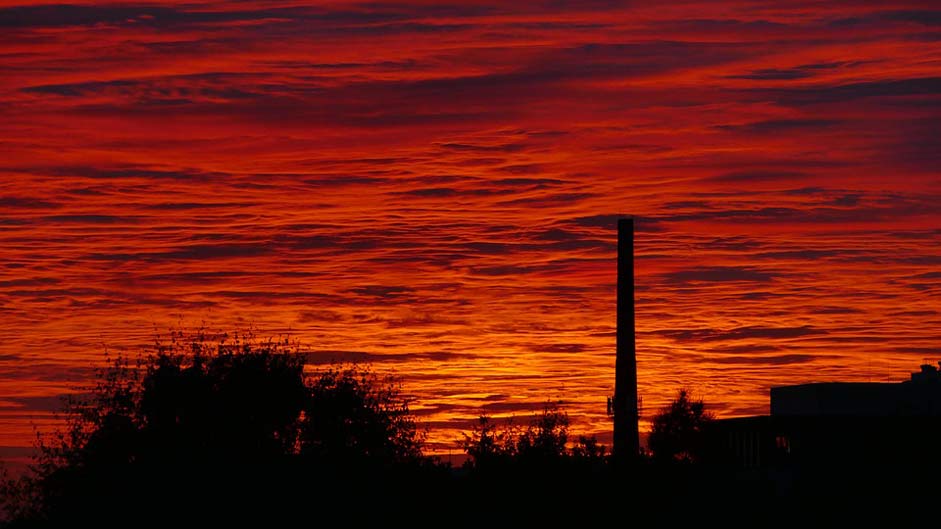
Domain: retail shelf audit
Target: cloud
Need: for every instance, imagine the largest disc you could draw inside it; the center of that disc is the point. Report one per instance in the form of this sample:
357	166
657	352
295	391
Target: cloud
775	360
65	15
45	16
506	270
609	223
558	348
836	310
527	182
436	188
558	235
802	71
196	252
921	86
186	206
751	332
42	403
26	203
214	251
781	126
754	349
382	291
758	176
320	358
331	357
511	407
464	147
892	209
447	192
713	274
91	219
805	255
774	74
106	171
29	282
919	16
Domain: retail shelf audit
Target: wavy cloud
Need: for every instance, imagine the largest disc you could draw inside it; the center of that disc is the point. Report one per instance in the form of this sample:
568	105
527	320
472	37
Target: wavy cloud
434	188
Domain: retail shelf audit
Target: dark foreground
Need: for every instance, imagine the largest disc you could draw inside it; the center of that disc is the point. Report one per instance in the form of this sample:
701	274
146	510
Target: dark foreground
436	496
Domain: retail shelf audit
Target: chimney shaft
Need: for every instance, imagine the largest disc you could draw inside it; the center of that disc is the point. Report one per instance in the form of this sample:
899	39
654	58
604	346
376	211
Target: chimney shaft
626	435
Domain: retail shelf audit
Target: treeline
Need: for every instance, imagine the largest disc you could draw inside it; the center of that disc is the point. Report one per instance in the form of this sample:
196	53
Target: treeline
230	430
237	432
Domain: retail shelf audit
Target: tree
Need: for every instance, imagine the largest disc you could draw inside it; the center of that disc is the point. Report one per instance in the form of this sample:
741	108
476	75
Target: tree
237	399
486	447
545	438
205	422
355	416
678	430
543	443
512	469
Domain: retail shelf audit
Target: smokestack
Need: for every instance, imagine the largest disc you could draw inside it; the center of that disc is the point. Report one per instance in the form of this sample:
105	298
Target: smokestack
626	435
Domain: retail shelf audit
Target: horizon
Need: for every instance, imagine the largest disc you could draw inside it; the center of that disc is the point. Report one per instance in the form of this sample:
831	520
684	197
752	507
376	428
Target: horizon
434	189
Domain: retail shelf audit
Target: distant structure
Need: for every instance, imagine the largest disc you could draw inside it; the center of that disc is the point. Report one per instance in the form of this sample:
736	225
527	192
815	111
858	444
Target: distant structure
626	434
833	423
920	396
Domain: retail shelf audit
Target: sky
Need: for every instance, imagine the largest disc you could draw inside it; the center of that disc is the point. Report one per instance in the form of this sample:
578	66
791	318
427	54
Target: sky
433	187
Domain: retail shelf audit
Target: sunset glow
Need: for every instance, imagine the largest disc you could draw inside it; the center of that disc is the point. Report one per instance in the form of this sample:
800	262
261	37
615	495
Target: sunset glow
433	188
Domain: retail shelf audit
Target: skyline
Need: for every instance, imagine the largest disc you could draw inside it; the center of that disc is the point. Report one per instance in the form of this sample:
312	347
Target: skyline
434	188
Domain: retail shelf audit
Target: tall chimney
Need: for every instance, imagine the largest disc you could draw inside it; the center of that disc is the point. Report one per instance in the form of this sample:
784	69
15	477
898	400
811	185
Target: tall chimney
626	435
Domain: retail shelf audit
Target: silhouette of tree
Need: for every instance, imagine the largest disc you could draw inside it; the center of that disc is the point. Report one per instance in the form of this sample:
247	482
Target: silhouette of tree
485	446
508	466
543	443
203	423
355	416
677	431
241	399
545	438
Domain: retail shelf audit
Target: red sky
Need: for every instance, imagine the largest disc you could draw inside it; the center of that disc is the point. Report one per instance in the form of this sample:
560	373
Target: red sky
432	187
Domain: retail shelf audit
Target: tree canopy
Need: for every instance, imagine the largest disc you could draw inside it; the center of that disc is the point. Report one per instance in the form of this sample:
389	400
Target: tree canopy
677	433
353	415
542	444
223	428
221	419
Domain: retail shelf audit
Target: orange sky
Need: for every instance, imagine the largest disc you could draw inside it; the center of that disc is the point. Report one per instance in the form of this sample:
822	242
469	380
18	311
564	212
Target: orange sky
433	188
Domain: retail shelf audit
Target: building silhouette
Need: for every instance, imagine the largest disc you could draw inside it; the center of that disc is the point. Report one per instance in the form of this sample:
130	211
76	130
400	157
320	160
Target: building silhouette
827	424
812	426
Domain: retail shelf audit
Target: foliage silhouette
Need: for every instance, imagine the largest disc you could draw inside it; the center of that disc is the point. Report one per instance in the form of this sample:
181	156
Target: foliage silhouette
509	466
354	415
677	432
542	444
210	427
234	432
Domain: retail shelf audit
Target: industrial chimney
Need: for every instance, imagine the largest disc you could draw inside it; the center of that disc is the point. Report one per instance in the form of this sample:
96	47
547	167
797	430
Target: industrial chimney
626	435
